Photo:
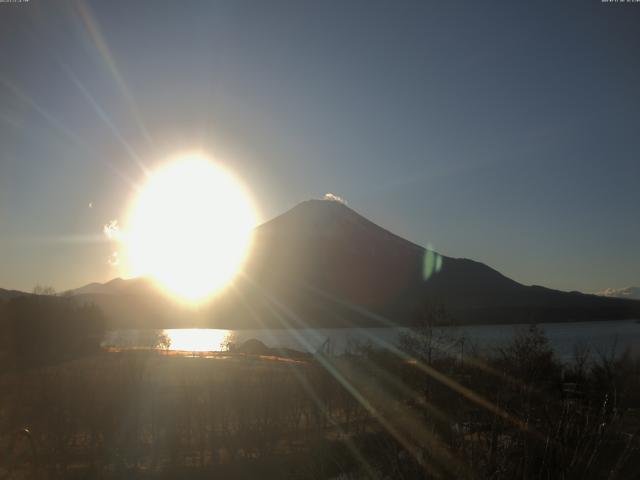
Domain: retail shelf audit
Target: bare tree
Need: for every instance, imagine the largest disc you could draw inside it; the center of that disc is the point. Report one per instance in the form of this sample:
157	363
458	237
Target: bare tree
44	290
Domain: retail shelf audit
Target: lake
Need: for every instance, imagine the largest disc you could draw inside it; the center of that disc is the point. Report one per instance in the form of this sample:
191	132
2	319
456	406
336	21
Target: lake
599	336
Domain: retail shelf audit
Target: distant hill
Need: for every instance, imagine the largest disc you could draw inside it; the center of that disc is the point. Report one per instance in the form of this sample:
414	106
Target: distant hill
628	292
9	294
117	286
321	264
132	303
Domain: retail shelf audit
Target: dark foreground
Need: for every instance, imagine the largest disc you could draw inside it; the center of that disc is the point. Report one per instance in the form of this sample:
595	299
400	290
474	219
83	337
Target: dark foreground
410	414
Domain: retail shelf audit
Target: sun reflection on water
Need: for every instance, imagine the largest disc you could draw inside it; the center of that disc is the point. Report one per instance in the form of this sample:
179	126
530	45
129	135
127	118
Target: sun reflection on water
198	340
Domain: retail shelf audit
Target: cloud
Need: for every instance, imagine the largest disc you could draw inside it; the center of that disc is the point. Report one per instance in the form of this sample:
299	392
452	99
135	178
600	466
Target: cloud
628	292
111	230
114	259
113	233
334	198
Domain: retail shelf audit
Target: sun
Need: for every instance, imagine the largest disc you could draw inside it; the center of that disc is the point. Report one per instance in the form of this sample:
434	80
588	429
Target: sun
189	228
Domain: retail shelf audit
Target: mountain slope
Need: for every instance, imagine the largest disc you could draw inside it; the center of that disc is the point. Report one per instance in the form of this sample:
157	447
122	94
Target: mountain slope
117	286
9	294
322	264
326	248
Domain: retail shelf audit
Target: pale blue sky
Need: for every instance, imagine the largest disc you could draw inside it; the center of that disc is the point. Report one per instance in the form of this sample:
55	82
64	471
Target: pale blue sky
506	132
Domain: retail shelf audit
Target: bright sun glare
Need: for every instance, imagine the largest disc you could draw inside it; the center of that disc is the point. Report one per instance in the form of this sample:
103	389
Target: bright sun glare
189	228
198	340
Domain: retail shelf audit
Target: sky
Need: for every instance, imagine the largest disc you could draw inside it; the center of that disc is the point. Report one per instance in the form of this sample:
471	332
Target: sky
506	132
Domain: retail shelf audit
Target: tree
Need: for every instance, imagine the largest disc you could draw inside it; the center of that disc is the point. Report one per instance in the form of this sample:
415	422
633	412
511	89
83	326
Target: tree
426	336
529	357
44	290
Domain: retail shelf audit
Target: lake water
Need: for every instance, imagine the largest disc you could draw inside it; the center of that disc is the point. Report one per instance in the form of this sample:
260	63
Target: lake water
601	336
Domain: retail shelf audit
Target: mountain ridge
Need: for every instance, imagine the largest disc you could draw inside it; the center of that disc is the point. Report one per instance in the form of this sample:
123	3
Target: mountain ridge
322	264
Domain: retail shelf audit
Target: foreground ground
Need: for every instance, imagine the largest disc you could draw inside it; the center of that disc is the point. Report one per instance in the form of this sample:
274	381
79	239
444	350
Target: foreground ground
417	412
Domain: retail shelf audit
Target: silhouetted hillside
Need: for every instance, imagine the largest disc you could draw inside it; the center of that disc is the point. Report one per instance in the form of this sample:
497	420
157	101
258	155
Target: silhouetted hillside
323	264
117	286
9	294
39	329
332	267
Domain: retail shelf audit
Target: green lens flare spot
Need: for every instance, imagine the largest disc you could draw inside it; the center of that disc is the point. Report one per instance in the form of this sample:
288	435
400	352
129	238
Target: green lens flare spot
431	263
